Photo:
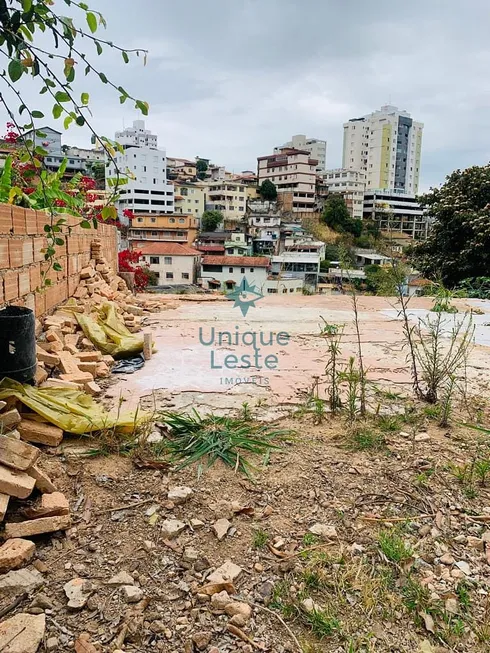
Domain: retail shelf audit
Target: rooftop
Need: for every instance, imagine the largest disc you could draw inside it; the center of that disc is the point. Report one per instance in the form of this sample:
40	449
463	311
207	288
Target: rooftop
248	261
165	249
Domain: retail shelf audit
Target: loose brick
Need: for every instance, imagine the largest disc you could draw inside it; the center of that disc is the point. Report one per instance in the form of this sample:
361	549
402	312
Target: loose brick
39	432
92	388
24	282
45	357
27	251
16	454
79	377
88	366
15	553
11	285
15	483
9	419
42	480
37	526
40	376
68	364
55	504
6	225
59	383
15	252
19	220
4	254
89	356
4	502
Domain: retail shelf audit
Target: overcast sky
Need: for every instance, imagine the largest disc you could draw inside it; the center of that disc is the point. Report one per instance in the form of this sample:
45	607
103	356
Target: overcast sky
230	79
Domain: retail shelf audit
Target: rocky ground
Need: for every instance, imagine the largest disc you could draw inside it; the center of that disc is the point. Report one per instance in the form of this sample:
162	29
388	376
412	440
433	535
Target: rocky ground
349	540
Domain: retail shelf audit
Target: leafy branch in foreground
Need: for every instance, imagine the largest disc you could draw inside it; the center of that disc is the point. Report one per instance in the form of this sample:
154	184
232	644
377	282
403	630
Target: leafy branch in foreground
38	42
193	437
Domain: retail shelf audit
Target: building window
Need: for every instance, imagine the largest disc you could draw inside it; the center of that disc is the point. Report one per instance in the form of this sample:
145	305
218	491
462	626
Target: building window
154	233
242	270
167	260
171	220
230	269
154	260
185	275
140	219
169	275
251	269
181	220
153	219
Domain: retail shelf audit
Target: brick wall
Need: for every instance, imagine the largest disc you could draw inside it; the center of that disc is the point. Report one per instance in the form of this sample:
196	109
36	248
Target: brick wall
22	261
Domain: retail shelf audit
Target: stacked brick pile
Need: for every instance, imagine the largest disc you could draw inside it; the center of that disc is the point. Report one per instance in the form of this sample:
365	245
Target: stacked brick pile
21	478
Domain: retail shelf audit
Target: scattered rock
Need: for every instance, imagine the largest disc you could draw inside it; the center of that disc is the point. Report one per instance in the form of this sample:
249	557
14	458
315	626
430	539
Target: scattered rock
202	639
197	524
122	578
179	495
78	591
52	644
221	528
22	633
84	645
475	543
227	573
220	600
451	606
447	559
237	607
308	604
132	594
464	566
327	531
171	528
422	437
15	553
21	580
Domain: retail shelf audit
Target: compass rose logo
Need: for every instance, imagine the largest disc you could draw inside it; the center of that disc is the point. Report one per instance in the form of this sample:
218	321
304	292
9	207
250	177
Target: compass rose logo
245	296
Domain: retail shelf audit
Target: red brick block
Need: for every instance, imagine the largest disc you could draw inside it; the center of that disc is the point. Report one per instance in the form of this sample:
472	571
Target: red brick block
19	220
39	244
31	222
73	264
15	252
27	252
35	276
11	285
4	254
24	282
6	225
40	299
30	301
50	295
73	282
72	244
42	218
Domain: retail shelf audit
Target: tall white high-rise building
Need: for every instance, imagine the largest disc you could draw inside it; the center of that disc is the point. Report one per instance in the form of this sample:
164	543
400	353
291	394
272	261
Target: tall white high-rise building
147	189
386	145
316	147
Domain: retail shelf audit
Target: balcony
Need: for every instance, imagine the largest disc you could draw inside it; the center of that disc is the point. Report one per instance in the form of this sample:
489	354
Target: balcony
163	235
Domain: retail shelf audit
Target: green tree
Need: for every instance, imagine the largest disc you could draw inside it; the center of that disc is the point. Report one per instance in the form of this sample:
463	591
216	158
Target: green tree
201	167
268	191
210	220
336	216
49	49
458	245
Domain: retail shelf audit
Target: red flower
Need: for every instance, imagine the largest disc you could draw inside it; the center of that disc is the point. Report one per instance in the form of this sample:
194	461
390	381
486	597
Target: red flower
127	213
59	203
28	191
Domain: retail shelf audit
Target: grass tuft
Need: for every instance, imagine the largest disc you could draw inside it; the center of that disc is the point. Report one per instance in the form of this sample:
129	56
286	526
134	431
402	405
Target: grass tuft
393	546
260	538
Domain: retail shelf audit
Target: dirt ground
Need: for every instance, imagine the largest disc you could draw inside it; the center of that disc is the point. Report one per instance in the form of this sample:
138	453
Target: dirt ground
398	555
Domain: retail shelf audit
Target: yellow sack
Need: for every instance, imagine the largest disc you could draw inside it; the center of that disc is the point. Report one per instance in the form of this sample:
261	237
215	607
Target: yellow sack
109	334
73	411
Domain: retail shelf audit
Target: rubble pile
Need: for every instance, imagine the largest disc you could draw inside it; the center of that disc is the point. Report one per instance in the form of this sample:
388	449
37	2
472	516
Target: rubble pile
20	476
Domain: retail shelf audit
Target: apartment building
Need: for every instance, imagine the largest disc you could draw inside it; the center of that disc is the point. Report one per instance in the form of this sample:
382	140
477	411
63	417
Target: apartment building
294	173
299	264
173	263
264	224
316	147
51	142
147	189
228	197
387	146
170	228
351	185
190	198
181	169
396	212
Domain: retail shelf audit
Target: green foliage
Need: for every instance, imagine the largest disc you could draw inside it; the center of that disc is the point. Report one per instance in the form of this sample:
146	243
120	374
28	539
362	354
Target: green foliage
364	438
321	624
268	191
260	538
201	167
393	546
336	216
210	220
194	437
458	246
475	287
381	281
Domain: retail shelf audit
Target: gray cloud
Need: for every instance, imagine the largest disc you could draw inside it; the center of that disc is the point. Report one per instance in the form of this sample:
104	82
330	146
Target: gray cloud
230	79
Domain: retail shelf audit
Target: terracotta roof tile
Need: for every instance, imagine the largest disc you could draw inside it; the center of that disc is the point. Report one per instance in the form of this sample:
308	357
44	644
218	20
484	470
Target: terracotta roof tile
245	261
165	249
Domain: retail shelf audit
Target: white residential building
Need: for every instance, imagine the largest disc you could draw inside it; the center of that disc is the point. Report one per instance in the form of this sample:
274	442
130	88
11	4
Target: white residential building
396	212
351	185
386	145
293	173
316	147
173	263
226	272
147	189
228	197
298	264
